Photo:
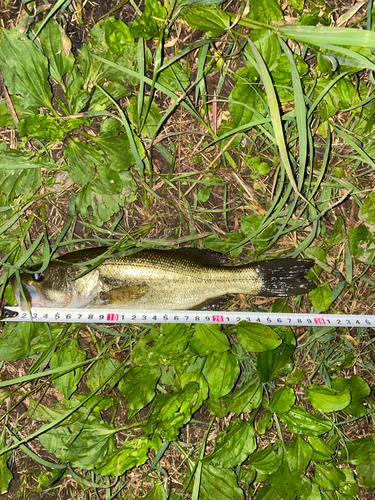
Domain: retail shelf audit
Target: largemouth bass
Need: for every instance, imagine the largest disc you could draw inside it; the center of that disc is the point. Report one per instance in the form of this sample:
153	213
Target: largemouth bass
157	279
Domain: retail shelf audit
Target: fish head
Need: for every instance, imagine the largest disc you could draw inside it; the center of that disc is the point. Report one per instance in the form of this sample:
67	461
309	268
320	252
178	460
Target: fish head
52	288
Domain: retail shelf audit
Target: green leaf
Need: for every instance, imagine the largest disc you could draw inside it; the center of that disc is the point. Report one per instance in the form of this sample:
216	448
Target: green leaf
101	101
82	158
117	35
101	370
266	461
57	47
264	423
69	353
225	245
366	473
362	243
131	454
367	211
203	195
348	486
84	444
245	99
25	69
19	176
173	77
358	451
210	19
138	386
41	127
164	346
218	484
147	25
268	45
221	371
321	297
295	377
212	337
282	400
328	400
359	389
171	411
265	11
300	421
277	363
328	477
322	451
193	373
152	120
16	338
255	337
298	456
245	398
234	445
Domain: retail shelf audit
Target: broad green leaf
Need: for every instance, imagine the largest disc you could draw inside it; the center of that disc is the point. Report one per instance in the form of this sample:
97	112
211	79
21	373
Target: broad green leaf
25	69
295	377
171	411
97	207
266	461
69	353
267	492
115	146
265	11
193	373
212	337
298	456
151	19
41	127
245	398
300	421
117	35
367	211
164	346
264	423
203	195
322	451
152	120
268	45
82	158
359	389
225	127
19	175
138	386
328	400
217	406
245	99
282	400
6	120
366	474
221	371
328	477
349	486
234	445
321	297
289	484
174	77
57	47
358	451
277	363
131	454
212	20
101	370
218	484
255	337
362	243
84	444
101	101
16	338
225	244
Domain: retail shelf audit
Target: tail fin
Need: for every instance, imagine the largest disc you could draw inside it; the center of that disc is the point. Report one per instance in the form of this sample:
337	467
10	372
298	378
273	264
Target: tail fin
284	277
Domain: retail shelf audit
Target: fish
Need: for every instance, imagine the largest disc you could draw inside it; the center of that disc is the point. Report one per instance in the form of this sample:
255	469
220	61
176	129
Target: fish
152	279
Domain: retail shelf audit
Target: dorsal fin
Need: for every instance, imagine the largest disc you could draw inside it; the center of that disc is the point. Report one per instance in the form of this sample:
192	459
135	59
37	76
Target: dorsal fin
207	256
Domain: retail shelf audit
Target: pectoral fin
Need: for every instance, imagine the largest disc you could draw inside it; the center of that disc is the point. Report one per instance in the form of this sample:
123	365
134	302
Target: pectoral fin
123	294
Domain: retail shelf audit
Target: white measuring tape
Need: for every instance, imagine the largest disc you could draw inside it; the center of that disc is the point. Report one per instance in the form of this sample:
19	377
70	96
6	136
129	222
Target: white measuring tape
59	315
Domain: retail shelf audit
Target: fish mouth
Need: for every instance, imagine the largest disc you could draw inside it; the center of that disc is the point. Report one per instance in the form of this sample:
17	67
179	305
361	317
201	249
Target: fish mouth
33	297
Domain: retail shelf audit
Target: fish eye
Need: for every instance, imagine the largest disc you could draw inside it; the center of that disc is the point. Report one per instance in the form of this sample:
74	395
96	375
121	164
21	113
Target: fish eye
38	277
